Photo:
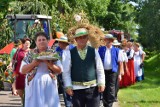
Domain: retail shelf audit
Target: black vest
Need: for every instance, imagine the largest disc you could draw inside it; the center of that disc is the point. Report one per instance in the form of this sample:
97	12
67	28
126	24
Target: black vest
83	70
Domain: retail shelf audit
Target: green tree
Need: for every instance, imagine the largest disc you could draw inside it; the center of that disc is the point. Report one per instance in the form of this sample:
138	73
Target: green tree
120	16
5	33
149	18
18	7
66	9
111	14
5	30
28	7
3	8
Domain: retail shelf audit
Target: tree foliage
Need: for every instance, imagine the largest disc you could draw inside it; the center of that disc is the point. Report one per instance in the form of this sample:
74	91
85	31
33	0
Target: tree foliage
28	7
5	33
68	8
120	16
3	8
149	18
110	14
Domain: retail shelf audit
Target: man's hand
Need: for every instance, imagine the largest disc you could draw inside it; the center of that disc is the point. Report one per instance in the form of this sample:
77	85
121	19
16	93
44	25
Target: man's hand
101	88
69	91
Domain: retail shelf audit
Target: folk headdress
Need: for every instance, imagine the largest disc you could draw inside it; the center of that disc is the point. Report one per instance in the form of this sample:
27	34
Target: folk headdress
84	28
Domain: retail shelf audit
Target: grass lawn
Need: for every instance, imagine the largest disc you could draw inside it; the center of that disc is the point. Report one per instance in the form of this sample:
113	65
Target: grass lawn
147	92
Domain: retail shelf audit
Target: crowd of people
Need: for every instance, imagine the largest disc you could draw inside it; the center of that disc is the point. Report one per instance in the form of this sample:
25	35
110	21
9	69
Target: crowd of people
83	73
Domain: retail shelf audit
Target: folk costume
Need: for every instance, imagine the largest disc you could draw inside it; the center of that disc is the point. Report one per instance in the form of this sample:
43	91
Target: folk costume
110	58
124	82
41	91
121	58
138	67
130	55
61	89
83	72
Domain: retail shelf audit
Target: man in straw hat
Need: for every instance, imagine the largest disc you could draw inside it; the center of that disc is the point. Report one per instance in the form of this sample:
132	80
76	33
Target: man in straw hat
110	58
116	43
63	44
121	58
83	72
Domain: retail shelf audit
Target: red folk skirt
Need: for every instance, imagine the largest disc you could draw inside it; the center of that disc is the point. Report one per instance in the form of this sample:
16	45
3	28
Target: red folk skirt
126	80
131	71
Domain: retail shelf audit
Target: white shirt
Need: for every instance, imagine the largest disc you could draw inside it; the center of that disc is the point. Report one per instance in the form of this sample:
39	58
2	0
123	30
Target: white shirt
108	59
124	57
141	51
66	62
131	53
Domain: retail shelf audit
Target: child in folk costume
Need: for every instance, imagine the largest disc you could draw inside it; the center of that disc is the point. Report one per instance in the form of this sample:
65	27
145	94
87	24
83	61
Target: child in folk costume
83	69
130	55
139	56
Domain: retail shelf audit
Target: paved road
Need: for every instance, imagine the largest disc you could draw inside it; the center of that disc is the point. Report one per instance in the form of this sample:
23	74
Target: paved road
8	100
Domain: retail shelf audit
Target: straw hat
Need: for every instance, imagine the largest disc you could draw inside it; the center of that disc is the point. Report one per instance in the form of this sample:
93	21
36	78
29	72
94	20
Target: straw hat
80	32
94	33
116	43
62	39
109	36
